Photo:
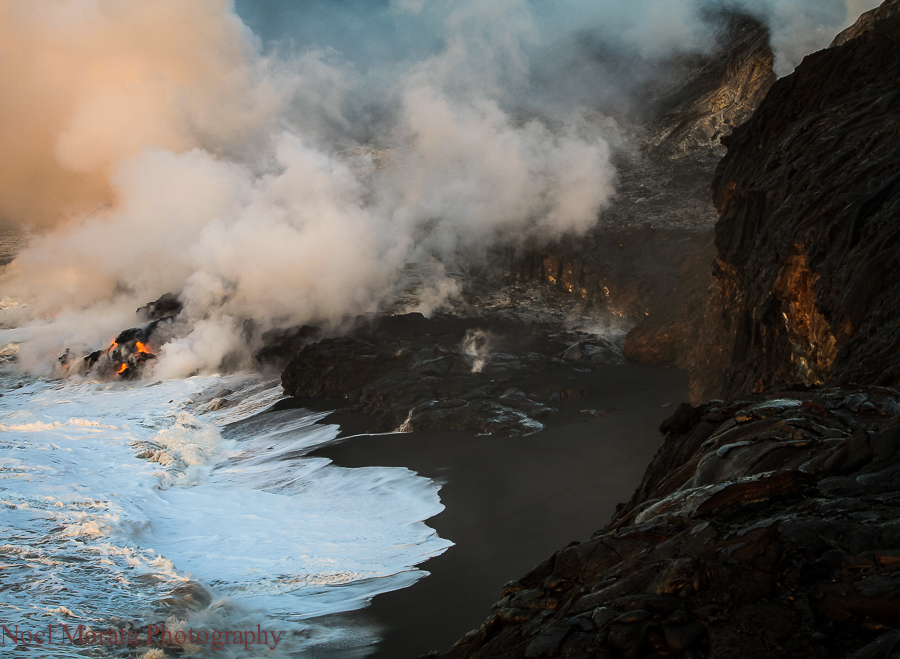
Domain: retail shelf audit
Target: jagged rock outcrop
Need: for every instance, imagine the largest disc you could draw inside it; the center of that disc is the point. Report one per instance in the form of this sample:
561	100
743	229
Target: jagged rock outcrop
720	92
765	527
167	305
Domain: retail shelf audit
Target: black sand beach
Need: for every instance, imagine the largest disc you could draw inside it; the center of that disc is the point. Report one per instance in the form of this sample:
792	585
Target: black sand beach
511	501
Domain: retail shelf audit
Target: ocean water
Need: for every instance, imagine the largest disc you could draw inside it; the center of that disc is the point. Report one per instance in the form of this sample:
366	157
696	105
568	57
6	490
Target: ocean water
131	503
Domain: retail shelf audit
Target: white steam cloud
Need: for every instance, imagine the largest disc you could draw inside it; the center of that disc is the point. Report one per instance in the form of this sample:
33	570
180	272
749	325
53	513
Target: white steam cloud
800	28
171	150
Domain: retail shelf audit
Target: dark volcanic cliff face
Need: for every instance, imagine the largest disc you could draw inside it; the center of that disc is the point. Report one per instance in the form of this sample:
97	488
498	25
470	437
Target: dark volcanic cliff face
809	196
805	284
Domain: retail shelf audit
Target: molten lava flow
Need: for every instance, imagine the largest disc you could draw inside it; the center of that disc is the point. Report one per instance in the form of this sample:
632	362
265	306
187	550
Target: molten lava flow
142	348
122	369
112	347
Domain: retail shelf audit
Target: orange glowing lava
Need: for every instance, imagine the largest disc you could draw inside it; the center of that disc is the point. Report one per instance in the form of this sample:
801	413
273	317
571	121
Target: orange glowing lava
112	347
142	348
122	369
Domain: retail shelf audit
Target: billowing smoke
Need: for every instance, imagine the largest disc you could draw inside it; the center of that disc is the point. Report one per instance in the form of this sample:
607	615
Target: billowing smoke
799	28
90	82
289	176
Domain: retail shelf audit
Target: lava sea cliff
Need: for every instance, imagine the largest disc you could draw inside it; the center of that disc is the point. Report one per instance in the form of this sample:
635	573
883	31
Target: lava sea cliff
804	286
768	525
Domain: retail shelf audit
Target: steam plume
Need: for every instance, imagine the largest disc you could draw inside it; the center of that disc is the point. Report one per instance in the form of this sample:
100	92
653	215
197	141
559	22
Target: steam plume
171	149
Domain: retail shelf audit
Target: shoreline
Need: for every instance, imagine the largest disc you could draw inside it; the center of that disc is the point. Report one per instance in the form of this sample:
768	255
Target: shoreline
504	507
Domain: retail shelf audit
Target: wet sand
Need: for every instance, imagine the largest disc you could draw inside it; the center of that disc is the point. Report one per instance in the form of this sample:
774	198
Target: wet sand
510	502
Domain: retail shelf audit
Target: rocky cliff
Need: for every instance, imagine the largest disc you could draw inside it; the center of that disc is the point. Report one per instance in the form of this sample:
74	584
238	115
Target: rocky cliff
809	195
805	282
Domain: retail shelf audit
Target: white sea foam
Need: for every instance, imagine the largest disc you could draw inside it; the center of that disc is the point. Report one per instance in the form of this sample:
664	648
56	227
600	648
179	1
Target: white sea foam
114	494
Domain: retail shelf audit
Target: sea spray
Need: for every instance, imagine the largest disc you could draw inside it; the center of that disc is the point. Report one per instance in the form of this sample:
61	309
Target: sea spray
242	530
